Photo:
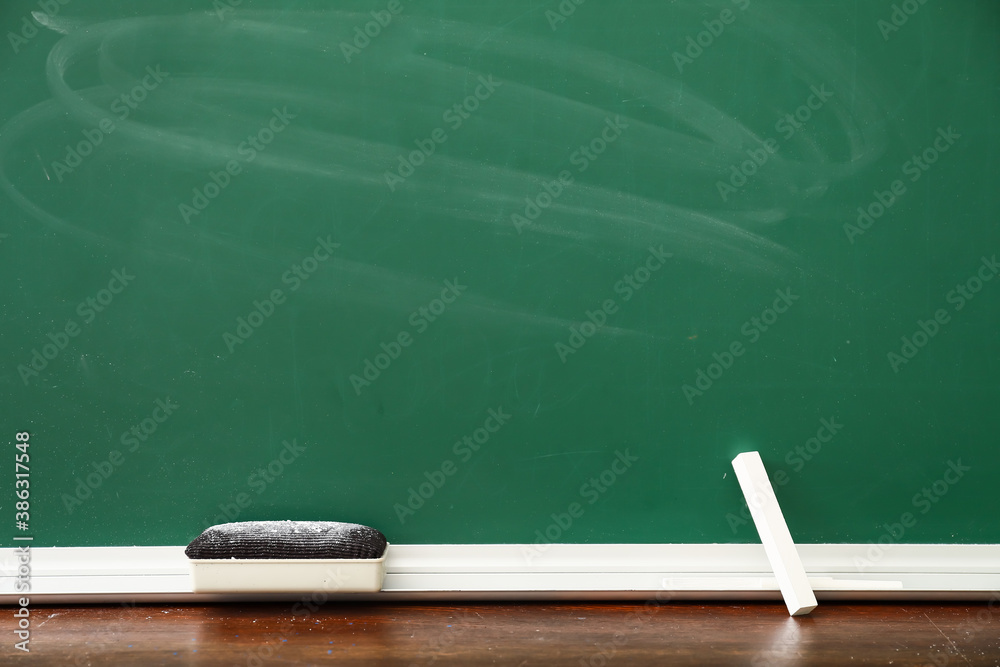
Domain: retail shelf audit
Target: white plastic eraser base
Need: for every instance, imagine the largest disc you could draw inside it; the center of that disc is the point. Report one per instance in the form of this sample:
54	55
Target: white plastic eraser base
288	575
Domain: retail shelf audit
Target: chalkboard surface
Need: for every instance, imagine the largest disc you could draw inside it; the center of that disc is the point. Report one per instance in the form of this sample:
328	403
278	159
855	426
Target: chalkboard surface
501	272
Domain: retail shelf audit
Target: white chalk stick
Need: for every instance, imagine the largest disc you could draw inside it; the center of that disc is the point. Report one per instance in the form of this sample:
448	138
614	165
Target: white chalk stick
773	531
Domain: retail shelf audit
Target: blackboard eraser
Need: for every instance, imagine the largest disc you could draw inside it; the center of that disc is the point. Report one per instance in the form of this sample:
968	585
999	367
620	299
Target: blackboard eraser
288	557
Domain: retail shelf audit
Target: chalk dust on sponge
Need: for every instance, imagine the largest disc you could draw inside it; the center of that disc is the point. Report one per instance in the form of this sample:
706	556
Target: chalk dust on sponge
288	539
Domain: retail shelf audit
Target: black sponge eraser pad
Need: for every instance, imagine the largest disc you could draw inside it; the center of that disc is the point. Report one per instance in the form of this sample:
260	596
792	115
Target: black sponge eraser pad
288	539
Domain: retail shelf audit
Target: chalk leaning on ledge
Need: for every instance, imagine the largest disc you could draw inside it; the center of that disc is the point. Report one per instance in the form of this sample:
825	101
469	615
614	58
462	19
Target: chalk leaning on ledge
774	534
288	557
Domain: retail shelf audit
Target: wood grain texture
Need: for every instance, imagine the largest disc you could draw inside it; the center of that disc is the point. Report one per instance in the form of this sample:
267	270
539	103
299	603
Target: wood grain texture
512	634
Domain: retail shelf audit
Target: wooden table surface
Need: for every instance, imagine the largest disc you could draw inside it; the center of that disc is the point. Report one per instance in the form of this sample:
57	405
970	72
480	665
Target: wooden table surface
519	635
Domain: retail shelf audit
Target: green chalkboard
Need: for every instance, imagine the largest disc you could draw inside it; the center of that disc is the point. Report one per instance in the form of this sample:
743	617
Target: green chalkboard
501	272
